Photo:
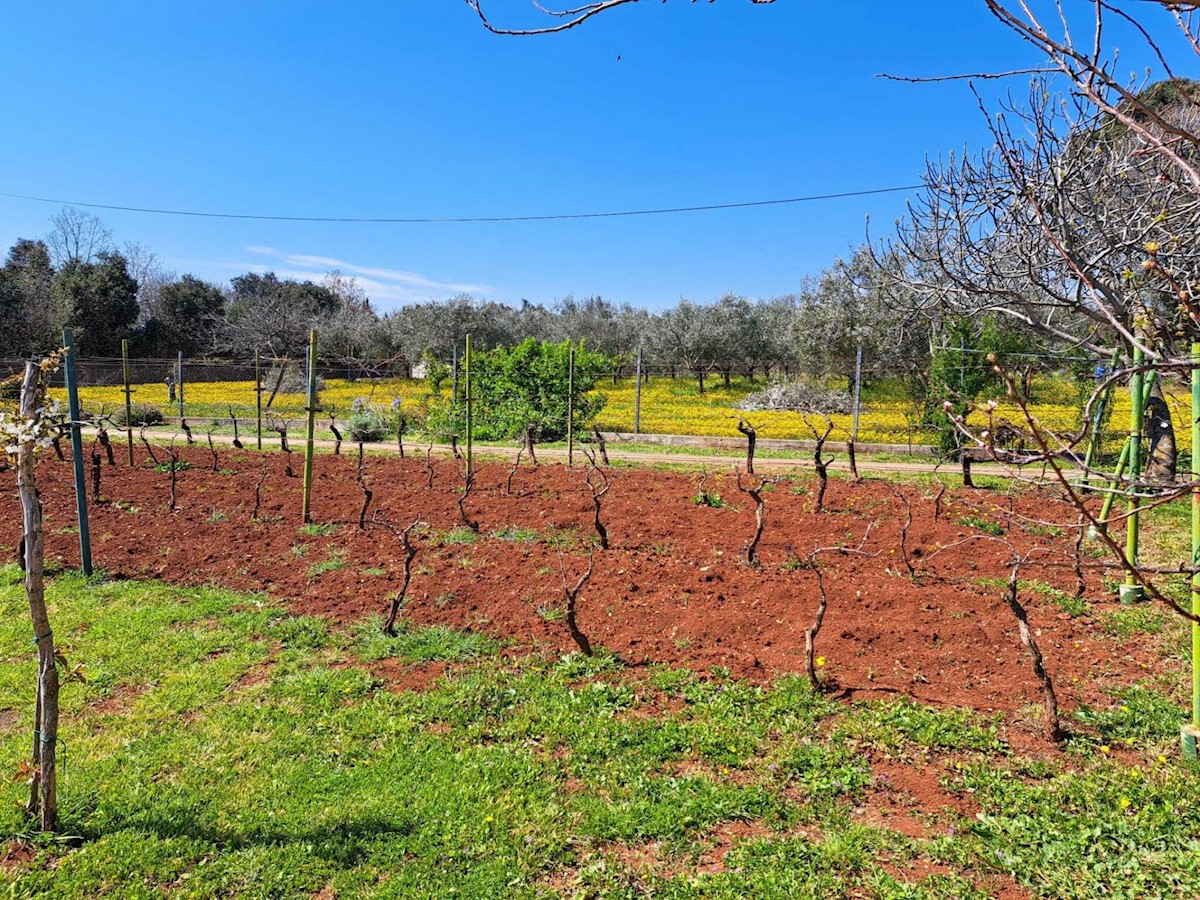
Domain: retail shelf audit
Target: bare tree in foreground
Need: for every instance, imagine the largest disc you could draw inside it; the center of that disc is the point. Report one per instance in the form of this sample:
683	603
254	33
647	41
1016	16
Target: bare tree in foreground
567	17
28	429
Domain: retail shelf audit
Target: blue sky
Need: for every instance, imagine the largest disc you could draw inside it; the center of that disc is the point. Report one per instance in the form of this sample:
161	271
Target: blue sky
410	108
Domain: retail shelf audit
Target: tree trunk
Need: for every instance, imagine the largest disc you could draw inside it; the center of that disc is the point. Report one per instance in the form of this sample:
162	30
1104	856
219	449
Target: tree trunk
1161	434
44	793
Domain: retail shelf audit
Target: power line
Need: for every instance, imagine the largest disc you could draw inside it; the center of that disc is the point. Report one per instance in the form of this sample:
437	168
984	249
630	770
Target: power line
368	220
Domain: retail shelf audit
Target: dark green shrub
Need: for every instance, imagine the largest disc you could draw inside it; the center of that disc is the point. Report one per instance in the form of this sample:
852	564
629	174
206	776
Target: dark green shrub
143	414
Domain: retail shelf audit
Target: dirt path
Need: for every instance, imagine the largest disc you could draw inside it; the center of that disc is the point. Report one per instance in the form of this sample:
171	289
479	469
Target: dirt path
494	452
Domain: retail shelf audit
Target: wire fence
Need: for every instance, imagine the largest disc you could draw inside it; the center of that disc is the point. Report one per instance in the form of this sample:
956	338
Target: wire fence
671	400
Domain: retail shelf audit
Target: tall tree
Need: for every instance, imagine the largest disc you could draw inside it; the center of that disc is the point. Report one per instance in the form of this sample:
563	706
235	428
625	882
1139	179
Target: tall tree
27	311
273	314
848	306
77	236
188	313
100	300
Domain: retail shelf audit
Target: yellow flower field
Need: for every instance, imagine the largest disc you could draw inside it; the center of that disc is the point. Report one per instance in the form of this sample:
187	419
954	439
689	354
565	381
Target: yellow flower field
212	399
669	406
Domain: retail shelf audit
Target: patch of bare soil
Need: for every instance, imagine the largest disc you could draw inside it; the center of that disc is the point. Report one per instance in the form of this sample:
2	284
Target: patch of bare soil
673	588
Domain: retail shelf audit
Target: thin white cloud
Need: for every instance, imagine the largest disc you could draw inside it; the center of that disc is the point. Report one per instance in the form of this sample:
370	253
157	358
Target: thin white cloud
388	288
395	276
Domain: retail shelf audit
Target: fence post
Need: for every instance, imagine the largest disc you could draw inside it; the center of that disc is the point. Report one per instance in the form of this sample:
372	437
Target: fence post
1132	591
571	407
637	396
857	393
258	397
179	384
470	409
311	408
128	402
85	538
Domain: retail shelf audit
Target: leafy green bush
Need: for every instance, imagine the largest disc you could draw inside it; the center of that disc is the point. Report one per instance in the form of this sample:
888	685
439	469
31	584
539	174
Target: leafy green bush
369	423
514	387
436	371
142	414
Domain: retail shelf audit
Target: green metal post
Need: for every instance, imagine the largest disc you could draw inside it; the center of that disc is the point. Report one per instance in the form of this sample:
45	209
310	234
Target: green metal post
1192	730
470	408
128	402
179	385
85	538
311	409
258	395
571	407
1131	591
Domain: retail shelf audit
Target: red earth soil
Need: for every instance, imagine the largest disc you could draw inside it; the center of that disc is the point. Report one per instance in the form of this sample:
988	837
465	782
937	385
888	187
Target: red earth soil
673	588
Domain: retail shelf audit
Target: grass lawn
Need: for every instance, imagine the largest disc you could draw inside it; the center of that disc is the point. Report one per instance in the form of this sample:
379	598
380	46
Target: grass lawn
221	748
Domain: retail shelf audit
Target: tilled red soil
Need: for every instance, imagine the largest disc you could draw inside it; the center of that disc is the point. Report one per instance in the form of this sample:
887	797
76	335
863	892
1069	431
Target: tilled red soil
673	588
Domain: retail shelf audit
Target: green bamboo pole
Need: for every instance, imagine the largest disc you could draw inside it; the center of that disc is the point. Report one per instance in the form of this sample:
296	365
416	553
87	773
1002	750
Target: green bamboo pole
1132	591
1094	439
128	402
85	538
470	408
258	395
1122	463
311	409
1192	730
571	407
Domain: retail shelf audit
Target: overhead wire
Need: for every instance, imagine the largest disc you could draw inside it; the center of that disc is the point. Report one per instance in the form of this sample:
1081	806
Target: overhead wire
429	220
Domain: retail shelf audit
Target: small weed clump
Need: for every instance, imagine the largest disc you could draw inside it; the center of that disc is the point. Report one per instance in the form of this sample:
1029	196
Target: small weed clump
317	529
985	525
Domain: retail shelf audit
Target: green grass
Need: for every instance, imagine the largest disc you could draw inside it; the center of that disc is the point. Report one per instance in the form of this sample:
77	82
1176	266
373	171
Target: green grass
460	535
984	525
517	534
317	529
223	748
332	564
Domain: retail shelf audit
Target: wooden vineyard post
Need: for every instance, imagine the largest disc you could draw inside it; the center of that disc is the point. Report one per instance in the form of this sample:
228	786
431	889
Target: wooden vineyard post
571	407
128	401
179	385
470	410
258	397
85	538
311	409
637	395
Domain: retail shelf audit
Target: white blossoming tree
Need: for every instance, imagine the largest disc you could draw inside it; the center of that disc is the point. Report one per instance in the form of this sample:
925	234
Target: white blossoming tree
26	432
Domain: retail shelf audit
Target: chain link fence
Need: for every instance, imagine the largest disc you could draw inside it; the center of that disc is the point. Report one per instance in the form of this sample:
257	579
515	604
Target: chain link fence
672	402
